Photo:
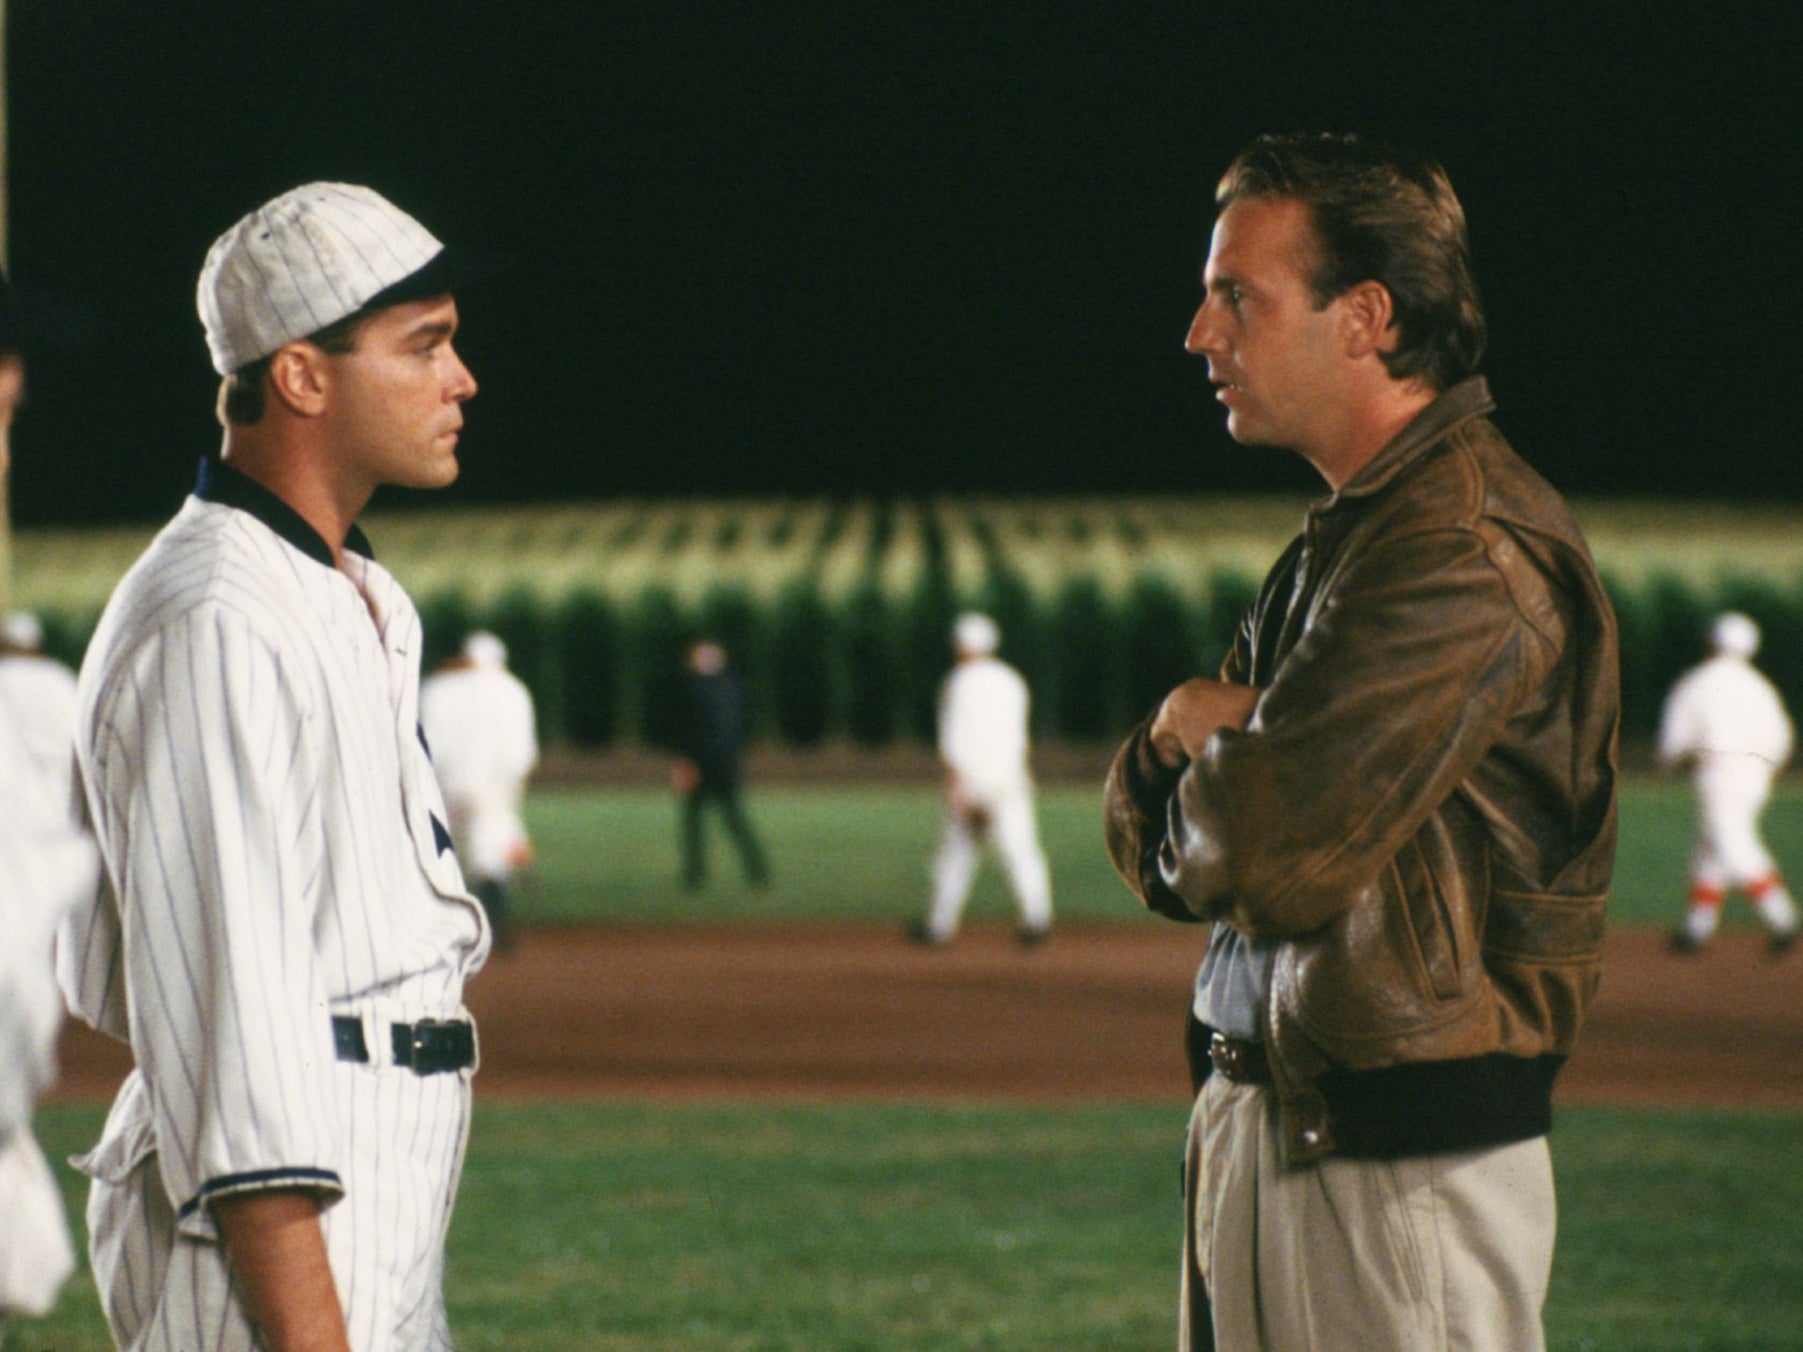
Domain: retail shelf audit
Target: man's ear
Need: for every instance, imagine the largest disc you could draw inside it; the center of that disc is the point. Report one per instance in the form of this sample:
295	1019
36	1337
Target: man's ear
1370	319
299	377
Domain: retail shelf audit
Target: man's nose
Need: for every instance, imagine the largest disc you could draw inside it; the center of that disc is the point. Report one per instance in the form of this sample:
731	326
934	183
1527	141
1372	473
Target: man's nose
1202	336
463	384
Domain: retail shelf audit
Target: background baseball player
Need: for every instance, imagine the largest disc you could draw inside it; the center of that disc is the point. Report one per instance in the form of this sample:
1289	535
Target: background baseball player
284	934
1727	723
983	709
479	723
36	1255
46	863
37	696
710	763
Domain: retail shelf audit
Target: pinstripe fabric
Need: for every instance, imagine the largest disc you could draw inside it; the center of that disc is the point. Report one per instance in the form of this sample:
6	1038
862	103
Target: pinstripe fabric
270	824
300	262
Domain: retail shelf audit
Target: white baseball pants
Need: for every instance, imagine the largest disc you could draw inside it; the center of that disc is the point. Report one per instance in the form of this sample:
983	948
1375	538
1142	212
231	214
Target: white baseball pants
1012	828
404	1140
1731	793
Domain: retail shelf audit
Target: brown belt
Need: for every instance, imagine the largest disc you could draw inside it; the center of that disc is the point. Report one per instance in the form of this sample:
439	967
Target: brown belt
1241	1061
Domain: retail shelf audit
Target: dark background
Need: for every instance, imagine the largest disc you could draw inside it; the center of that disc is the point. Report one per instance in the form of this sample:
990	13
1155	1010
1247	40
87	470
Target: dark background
845	248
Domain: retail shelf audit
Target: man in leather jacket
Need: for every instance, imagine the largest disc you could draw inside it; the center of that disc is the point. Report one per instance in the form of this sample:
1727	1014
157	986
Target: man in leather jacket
1397	804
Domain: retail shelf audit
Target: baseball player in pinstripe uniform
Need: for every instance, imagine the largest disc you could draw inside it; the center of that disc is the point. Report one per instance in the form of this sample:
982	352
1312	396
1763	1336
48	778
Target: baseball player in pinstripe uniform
283	933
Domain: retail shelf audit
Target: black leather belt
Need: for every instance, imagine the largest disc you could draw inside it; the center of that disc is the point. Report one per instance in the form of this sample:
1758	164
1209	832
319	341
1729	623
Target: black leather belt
1241	1061
1212	1053
429	1047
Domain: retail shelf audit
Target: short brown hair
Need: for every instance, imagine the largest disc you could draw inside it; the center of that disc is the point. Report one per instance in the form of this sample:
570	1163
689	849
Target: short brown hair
241	394
1382	215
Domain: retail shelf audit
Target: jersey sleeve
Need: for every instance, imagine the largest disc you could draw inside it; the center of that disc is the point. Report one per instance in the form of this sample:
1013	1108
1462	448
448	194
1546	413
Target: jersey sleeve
523	739
1678	734
1777	735
206	773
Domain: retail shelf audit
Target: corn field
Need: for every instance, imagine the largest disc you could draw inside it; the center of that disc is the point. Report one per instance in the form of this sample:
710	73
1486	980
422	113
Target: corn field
836	613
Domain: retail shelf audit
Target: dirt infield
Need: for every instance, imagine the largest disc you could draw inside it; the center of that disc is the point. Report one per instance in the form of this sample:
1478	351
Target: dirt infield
836	1012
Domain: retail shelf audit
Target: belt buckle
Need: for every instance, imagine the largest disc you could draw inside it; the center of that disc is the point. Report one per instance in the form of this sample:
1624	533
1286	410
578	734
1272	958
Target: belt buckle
1226	1058
420	1034
422	1047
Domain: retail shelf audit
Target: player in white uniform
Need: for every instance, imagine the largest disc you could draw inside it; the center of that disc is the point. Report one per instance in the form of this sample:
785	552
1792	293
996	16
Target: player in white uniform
983	737
45	862
283	933
37	693
1726	721
36	1254
479	722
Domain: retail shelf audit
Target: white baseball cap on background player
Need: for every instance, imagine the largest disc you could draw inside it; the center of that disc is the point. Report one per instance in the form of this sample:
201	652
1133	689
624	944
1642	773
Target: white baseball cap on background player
1735	634
21	632
975	635
484	651
311	257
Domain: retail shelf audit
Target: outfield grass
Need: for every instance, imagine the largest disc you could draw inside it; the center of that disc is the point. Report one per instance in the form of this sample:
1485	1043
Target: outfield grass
846	852
861	852
693	1228
625	1226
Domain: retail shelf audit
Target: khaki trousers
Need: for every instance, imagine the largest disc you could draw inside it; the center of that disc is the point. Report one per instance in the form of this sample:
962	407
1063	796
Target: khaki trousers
1444	1253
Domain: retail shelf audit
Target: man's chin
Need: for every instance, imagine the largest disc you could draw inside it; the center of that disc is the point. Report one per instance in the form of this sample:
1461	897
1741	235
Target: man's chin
1246	432
441	474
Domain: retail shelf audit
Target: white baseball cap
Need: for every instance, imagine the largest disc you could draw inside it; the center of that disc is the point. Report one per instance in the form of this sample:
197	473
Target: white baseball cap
1734	634
21	630
485	651
975	634
307	259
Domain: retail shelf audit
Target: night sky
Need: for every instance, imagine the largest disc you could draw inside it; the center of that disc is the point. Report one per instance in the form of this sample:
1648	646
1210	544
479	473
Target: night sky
847	248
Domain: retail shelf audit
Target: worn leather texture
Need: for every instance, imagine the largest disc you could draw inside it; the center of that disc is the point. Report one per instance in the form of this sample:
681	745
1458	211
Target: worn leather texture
1422	811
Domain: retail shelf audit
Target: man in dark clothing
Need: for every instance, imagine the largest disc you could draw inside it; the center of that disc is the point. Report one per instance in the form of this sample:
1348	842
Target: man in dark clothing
710	769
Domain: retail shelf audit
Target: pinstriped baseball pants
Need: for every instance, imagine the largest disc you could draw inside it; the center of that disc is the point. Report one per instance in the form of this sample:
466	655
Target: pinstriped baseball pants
404	1143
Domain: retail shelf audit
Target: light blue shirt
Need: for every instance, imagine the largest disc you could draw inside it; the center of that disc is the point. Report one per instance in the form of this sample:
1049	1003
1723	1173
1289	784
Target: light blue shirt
1231	984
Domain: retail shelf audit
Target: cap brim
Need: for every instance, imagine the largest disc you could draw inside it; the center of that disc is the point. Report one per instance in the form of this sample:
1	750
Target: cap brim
453	268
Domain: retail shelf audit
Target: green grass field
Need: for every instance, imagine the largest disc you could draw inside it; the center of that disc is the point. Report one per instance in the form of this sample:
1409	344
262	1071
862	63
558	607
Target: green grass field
693	1228
861	853
906	1226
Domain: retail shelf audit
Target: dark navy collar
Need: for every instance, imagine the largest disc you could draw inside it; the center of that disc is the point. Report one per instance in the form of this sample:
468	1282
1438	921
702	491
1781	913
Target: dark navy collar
221	483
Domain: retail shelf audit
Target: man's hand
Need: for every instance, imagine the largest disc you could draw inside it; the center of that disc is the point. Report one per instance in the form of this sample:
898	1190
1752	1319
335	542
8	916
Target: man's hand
685	776
955	796
278	1255
1194	712
963	805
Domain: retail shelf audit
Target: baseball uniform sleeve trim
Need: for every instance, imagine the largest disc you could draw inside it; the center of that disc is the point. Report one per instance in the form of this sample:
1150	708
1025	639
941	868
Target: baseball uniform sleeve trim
264	1180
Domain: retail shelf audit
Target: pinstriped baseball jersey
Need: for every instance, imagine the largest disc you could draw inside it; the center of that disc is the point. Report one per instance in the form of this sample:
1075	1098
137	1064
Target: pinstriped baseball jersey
275	853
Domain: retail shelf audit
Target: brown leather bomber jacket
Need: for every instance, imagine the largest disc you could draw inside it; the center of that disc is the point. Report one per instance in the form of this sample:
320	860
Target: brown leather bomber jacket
1421	812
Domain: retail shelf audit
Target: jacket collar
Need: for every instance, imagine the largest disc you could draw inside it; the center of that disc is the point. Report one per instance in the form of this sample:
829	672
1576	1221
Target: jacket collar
1469	399
221	483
